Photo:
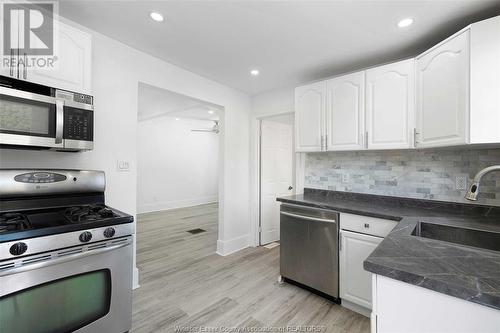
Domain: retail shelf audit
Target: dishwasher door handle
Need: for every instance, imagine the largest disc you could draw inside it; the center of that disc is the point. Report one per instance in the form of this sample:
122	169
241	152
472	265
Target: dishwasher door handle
308	218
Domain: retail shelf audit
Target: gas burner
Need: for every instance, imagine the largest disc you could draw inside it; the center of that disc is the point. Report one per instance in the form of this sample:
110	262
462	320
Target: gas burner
88	213
13	221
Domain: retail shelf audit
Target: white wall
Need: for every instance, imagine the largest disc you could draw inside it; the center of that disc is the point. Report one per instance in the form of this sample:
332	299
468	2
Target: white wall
273	102
117	70
175	166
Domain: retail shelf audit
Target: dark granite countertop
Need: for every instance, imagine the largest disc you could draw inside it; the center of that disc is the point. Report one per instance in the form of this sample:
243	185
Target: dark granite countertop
468	273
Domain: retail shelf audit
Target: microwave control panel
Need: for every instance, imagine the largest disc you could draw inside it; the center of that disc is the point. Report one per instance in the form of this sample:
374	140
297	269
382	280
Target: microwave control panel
78	124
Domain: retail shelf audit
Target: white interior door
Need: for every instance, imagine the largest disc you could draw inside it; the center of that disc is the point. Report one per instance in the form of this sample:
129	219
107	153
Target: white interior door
276	175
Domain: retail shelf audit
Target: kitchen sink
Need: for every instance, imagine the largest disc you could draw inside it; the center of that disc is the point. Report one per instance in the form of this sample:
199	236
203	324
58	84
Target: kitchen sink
463	236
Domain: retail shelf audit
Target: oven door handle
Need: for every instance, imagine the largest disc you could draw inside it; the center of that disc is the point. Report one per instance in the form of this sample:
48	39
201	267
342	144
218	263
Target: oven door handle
59	120
60	260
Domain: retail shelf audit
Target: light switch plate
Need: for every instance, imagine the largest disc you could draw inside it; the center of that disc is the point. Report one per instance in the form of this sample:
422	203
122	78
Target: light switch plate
122	166
345	178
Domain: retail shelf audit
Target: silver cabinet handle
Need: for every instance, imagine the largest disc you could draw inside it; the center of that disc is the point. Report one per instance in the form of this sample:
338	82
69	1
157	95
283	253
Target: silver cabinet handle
366	139
415	133
61	260
18	64
308	218
326	141
11	70
25	74
59	120
322	141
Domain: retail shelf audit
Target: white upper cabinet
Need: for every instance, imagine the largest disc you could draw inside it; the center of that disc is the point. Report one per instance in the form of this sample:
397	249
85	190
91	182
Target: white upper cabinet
443	93
485	81
390	100
309	117
448	96
345	109
73	71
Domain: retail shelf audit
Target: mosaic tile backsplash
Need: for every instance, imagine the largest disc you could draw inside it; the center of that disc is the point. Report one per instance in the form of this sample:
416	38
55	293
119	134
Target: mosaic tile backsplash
422	174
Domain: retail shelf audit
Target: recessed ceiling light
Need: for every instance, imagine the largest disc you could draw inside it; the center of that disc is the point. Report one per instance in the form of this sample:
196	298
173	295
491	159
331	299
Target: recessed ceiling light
176	118
254	72
406	22
210	111
156	16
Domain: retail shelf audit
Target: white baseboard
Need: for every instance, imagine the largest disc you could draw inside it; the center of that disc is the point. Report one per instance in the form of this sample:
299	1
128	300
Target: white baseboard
225	248
166	205
135	283
356	308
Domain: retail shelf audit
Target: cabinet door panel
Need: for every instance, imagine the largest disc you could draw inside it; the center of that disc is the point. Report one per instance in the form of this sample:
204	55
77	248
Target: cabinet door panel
73	70
390	105
355	282
345	112
443	94
309	116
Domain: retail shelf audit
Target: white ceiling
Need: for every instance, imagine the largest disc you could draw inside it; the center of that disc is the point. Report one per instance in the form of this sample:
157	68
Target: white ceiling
290	42
157	102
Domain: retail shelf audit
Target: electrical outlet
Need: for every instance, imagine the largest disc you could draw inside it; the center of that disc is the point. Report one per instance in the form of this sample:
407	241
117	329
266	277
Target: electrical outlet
345	178
123	166
460	182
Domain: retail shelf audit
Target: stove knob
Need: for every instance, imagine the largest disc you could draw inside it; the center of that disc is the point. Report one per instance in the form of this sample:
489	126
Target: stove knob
18	248
85	237
109	232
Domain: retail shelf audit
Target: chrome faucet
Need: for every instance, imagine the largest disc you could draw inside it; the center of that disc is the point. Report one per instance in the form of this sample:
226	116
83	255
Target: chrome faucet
474	187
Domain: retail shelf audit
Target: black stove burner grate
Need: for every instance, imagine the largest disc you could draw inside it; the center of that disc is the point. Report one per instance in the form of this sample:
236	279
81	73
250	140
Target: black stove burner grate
88	213
13	222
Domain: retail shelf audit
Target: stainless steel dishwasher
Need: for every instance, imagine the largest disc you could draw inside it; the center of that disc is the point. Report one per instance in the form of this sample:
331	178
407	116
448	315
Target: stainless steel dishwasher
309	248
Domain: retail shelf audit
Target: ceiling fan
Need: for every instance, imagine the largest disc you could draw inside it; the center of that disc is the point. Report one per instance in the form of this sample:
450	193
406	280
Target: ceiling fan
215	129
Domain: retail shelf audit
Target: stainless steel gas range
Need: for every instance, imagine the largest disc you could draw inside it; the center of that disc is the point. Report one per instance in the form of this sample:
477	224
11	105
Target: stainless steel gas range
65	257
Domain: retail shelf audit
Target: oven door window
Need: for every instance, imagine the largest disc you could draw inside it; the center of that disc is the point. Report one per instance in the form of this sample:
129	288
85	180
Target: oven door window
27	117
59	306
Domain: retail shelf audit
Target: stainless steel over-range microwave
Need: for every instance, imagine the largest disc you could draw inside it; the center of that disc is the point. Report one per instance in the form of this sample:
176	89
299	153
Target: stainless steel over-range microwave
34	116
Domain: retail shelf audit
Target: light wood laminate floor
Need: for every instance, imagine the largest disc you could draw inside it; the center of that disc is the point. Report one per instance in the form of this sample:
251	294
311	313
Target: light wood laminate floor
184	284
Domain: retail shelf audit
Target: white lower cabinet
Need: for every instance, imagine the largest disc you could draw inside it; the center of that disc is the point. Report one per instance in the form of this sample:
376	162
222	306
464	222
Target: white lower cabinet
402	307
359	236
355	282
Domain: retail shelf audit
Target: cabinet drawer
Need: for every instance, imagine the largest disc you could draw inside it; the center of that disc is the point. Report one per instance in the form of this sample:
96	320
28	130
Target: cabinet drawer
367	225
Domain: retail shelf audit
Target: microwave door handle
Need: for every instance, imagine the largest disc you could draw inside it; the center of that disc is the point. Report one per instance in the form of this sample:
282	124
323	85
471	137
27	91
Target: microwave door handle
59	120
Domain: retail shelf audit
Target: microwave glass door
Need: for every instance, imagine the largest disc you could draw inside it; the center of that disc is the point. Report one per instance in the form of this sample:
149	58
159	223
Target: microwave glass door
27	117
63	305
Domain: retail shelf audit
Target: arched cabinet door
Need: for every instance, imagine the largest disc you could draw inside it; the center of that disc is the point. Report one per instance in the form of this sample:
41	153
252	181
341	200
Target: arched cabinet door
345	109
443	94
309	117
390	100
72	70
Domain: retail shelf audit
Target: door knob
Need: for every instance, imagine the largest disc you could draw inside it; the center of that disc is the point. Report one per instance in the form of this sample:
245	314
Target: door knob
290	188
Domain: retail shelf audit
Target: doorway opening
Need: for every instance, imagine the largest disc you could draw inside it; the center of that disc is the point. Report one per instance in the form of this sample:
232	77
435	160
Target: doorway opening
276	172
178	167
